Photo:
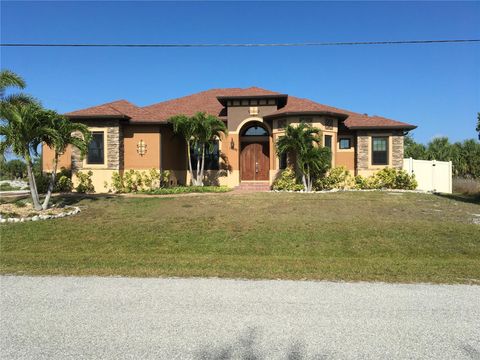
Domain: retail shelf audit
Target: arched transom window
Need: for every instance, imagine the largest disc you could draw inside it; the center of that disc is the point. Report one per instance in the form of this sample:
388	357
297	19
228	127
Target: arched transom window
255	130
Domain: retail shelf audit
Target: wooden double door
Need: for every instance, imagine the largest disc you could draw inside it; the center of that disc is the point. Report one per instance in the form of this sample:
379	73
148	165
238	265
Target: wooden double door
254	161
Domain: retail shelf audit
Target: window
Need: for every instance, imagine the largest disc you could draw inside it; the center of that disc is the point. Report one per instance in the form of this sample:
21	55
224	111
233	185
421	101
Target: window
379	150
283	161
345	143
328	141
212	157
328	124
255	131
96	148
271	101
306	120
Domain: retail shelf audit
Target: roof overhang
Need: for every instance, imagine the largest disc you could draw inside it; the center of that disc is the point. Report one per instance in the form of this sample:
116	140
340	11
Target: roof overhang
120	117
282	98
305	113
393	127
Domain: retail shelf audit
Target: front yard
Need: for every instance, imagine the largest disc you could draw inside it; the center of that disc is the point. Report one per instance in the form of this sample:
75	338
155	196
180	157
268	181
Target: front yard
398	237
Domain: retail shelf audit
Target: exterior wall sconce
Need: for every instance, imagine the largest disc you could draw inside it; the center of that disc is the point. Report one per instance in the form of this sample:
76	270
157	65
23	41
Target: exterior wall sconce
141	148
232	144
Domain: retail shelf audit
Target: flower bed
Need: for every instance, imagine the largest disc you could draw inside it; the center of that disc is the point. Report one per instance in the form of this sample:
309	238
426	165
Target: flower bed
22	212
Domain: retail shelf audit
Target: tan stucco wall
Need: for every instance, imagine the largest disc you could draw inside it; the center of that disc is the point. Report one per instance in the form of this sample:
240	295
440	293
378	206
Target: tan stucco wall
99	177
345	157
48	156
237	114
133	134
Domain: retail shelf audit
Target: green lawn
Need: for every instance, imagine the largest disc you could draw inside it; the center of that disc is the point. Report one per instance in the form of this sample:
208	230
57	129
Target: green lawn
337	236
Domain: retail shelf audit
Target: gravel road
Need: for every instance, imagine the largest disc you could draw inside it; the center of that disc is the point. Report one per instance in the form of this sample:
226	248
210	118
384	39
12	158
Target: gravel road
131	318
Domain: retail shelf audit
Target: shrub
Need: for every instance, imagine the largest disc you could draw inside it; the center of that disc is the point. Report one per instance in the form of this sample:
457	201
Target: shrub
135	181
85	184
387	178
337	178
64	184
287	181
188	189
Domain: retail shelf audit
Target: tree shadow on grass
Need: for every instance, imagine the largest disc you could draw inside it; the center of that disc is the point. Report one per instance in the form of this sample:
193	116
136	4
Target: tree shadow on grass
248	348
466	198
74	198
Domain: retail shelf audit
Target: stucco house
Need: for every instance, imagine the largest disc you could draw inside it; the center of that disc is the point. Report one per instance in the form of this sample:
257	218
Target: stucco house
126	136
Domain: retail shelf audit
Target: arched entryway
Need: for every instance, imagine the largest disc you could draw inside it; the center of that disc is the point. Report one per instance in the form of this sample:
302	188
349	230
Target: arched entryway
255	152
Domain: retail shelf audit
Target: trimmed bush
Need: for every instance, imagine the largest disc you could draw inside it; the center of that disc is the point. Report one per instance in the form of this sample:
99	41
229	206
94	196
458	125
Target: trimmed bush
287	181
136	181
85	184
387	178
337	178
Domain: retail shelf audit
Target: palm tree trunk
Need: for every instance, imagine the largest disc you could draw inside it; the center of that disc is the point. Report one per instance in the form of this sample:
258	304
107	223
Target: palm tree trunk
304	180
190	162
197	182
32	185
52	183
200	181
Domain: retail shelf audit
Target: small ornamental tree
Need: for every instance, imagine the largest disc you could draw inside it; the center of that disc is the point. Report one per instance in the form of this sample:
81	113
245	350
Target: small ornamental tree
304	141
200	132
66	133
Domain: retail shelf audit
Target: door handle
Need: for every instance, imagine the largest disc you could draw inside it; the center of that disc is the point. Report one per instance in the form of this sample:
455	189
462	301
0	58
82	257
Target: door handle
256	167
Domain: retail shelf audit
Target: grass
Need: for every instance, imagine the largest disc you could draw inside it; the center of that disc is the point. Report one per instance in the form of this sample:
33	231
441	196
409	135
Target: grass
8	187
372	236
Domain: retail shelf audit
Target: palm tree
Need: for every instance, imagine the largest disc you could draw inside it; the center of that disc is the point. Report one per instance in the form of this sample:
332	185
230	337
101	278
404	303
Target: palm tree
304	141
210	128
66	133
199	132
184	126
10	79
26	126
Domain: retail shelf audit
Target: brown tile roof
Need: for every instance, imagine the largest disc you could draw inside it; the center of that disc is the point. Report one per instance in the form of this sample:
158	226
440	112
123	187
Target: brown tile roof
120	108
203	101
207	101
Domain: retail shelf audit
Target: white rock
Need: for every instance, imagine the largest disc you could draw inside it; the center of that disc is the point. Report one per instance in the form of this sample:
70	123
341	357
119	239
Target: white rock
35	218
3	221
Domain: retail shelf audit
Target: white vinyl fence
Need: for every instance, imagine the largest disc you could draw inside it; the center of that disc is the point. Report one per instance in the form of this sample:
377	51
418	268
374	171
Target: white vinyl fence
431	175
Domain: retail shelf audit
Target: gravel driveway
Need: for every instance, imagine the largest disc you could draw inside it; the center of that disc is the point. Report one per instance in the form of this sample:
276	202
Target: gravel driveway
131	318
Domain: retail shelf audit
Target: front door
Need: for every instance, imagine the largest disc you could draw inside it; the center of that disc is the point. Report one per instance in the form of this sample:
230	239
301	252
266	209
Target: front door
254	161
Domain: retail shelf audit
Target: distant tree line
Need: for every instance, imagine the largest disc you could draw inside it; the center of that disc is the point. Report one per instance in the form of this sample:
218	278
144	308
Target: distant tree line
465	156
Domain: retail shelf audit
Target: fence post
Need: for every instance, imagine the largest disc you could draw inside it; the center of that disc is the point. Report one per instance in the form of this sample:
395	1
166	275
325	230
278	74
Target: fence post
434	165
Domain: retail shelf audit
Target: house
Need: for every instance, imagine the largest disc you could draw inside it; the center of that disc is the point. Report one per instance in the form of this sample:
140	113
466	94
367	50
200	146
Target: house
126	136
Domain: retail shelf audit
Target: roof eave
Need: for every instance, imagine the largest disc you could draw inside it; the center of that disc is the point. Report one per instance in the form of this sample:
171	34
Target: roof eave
223	98
293	113
121	117
382	127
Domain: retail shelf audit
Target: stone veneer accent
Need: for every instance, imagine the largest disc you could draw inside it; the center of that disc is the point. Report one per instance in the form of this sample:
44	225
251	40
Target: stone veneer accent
362	150
114	145
363	139
397	149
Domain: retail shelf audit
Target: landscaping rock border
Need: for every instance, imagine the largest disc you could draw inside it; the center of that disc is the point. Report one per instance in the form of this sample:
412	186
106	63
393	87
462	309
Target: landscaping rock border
74	210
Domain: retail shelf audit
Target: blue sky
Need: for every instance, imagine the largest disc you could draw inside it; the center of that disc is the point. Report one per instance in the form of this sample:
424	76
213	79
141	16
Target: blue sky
436	87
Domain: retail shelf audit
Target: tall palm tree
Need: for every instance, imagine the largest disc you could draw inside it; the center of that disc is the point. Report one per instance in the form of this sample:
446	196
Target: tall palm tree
304	142
199	132
26	126
66	133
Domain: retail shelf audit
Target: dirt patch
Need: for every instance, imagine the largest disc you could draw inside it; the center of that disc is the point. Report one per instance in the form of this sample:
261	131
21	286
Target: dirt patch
20	209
